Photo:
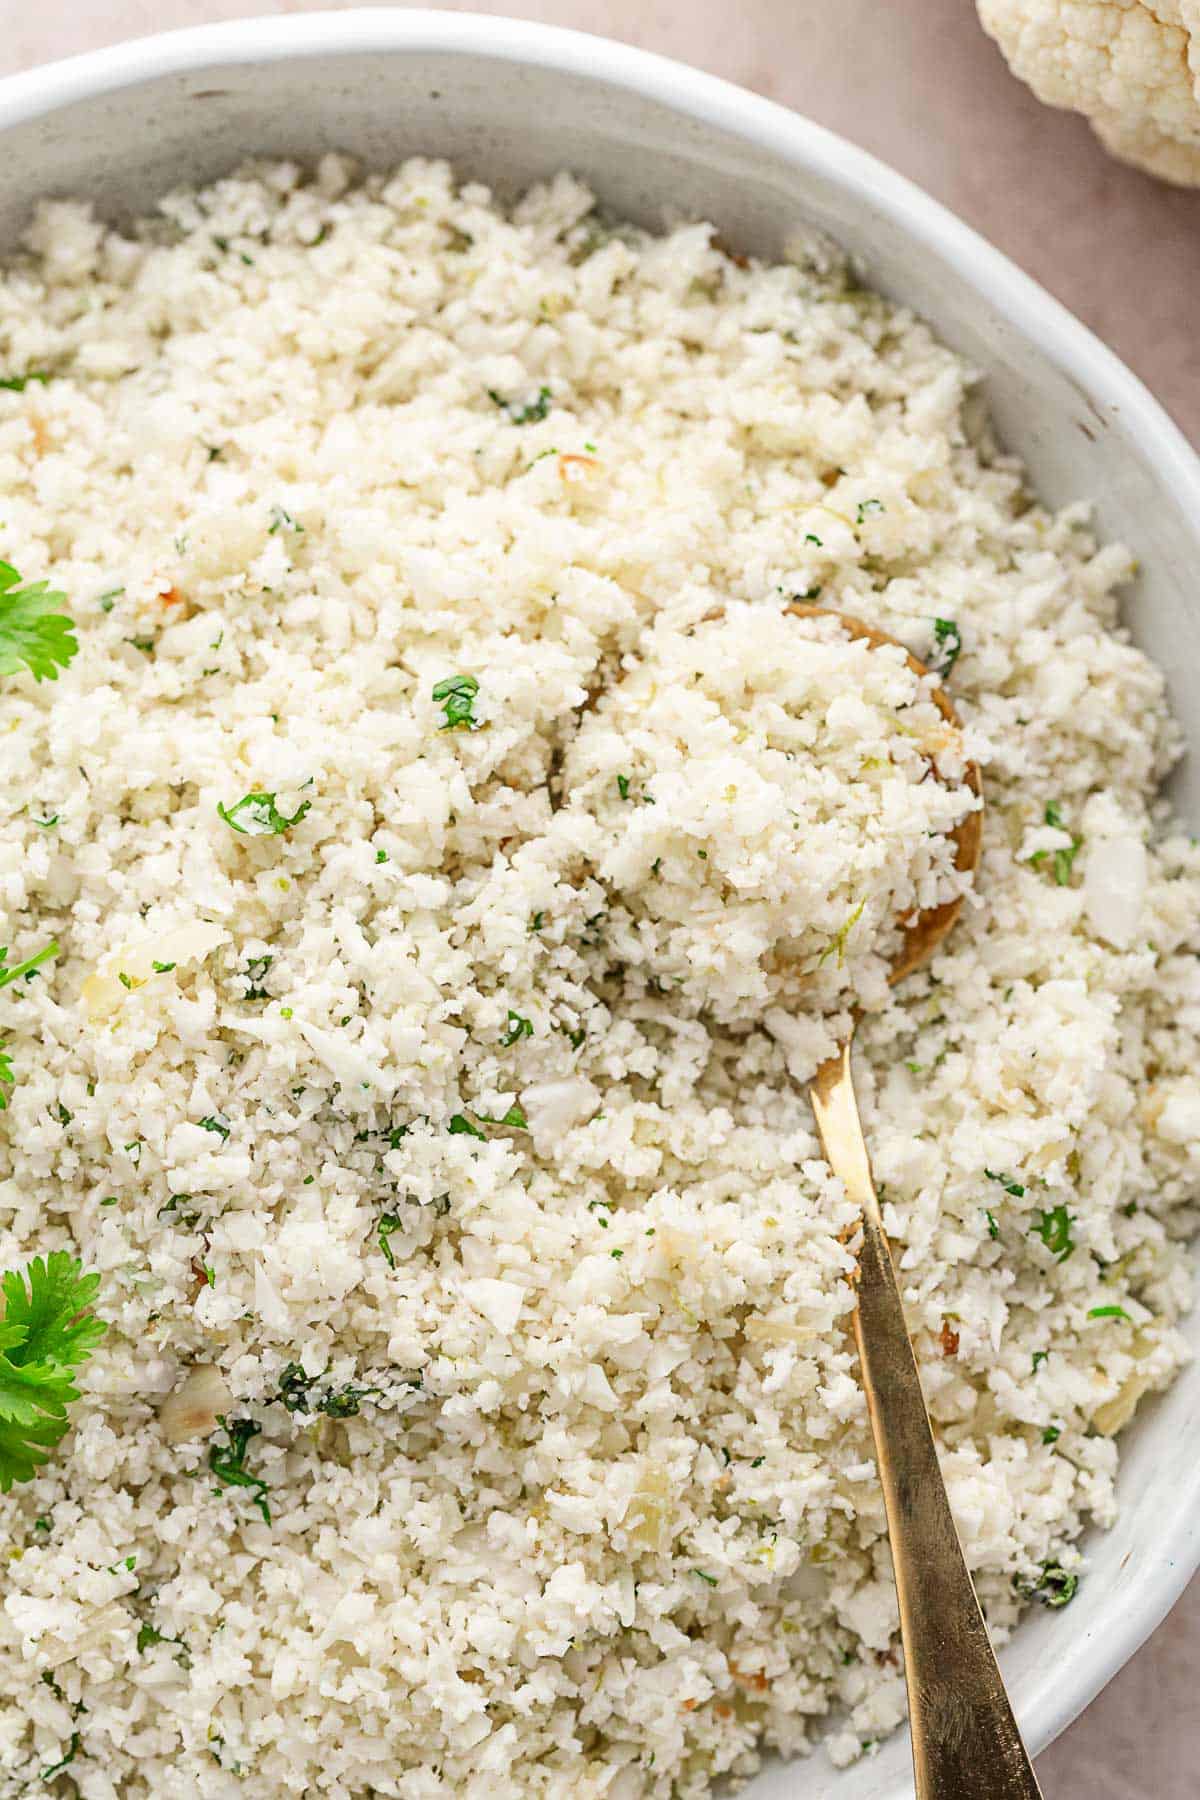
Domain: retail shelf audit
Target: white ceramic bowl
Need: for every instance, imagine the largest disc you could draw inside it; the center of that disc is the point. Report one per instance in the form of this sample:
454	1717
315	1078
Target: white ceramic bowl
511	102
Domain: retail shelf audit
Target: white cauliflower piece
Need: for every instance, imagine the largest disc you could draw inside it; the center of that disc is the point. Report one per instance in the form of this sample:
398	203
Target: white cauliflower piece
1132	67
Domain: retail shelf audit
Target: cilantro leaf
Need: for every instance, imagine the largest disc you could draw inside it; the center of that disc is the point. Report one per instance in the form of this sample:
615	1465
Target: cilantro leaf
1053	1586
256	815
228	1461
1006	1182
528	413
1063	860
457	695
1054	1229
16	384
32	633
949	642
388	1223
7	1076
28	966
461	1126
518	1027
47	1330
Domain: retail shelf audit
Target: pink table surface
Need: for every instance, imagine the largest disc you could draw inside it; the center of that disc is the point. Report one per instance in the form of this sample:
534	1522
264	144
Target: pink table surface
918	83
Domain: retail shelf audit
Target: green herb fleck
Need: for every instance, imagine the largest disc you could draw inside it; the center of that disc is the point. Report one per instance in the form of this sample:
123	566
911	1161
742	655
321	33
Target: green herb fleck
161	968
949	642
1051	1434
518	1027
710	1579
457	695
993	1228
1006	1182
228	1461
866	508
256	815
217	1125
1063	860
282	520
389	1223
1109	1312
16	384
461	1126
27	967
1054	1229
1054	1586
623	786
65	1761
529	413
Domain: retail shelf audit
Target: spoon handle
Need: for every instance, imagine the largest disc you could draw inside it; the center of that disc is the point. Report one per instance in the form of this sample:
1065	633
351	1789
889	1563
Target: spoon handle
965	1741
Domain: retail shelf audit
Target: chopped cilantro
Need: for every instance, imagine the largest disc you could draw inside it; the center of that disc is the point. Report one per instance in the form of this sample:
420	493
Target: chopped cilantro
228	1461
336	1403
457	695
710	1579
1039	1357
389	1223
256	815
518	1027
125	980
161	968
16	384
537	921
993	1228
65	1761
461	1126
1006	1182
1063	860
1109	1312
866	508
8	1077
949	642
215	1124
381	856
1054	1229
282	520
529	413
1051	1434
28	966
623	786
255	975
1054	1586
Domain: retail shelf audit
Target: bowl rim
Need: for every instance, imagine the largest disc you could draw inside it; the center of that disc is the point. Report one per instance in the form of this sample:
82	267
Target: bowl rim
1027	307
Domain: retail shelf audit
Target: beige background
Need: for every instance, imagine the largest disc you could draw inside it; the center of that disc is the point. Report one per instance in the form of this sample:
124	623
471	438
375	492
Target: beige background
917	82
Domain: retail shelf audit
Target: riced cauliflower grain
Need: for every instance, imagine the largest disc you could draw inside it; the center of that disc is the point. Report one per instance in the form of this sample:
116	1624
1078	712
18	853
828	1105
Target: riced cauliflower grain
490	855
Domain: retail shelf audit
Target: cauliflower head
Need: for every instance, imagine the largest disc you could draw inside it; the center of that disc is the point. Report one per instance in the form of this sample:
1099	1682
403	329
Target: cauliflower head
1131	66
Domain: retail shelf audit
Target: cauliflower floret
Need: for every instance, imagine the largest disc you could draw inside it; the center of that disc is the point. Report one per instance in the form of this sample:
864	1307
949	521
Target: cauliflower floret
1130	66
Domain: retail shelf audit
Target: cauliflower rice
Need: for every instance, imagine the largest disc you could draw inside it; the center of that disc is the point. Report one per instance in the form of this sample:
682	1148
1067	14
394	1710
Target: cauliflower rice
434	1112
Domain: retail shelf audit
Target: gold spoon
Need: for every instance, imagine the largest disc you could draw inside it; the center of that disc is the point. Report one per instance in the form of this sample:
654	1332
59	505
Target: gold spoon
965	1741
